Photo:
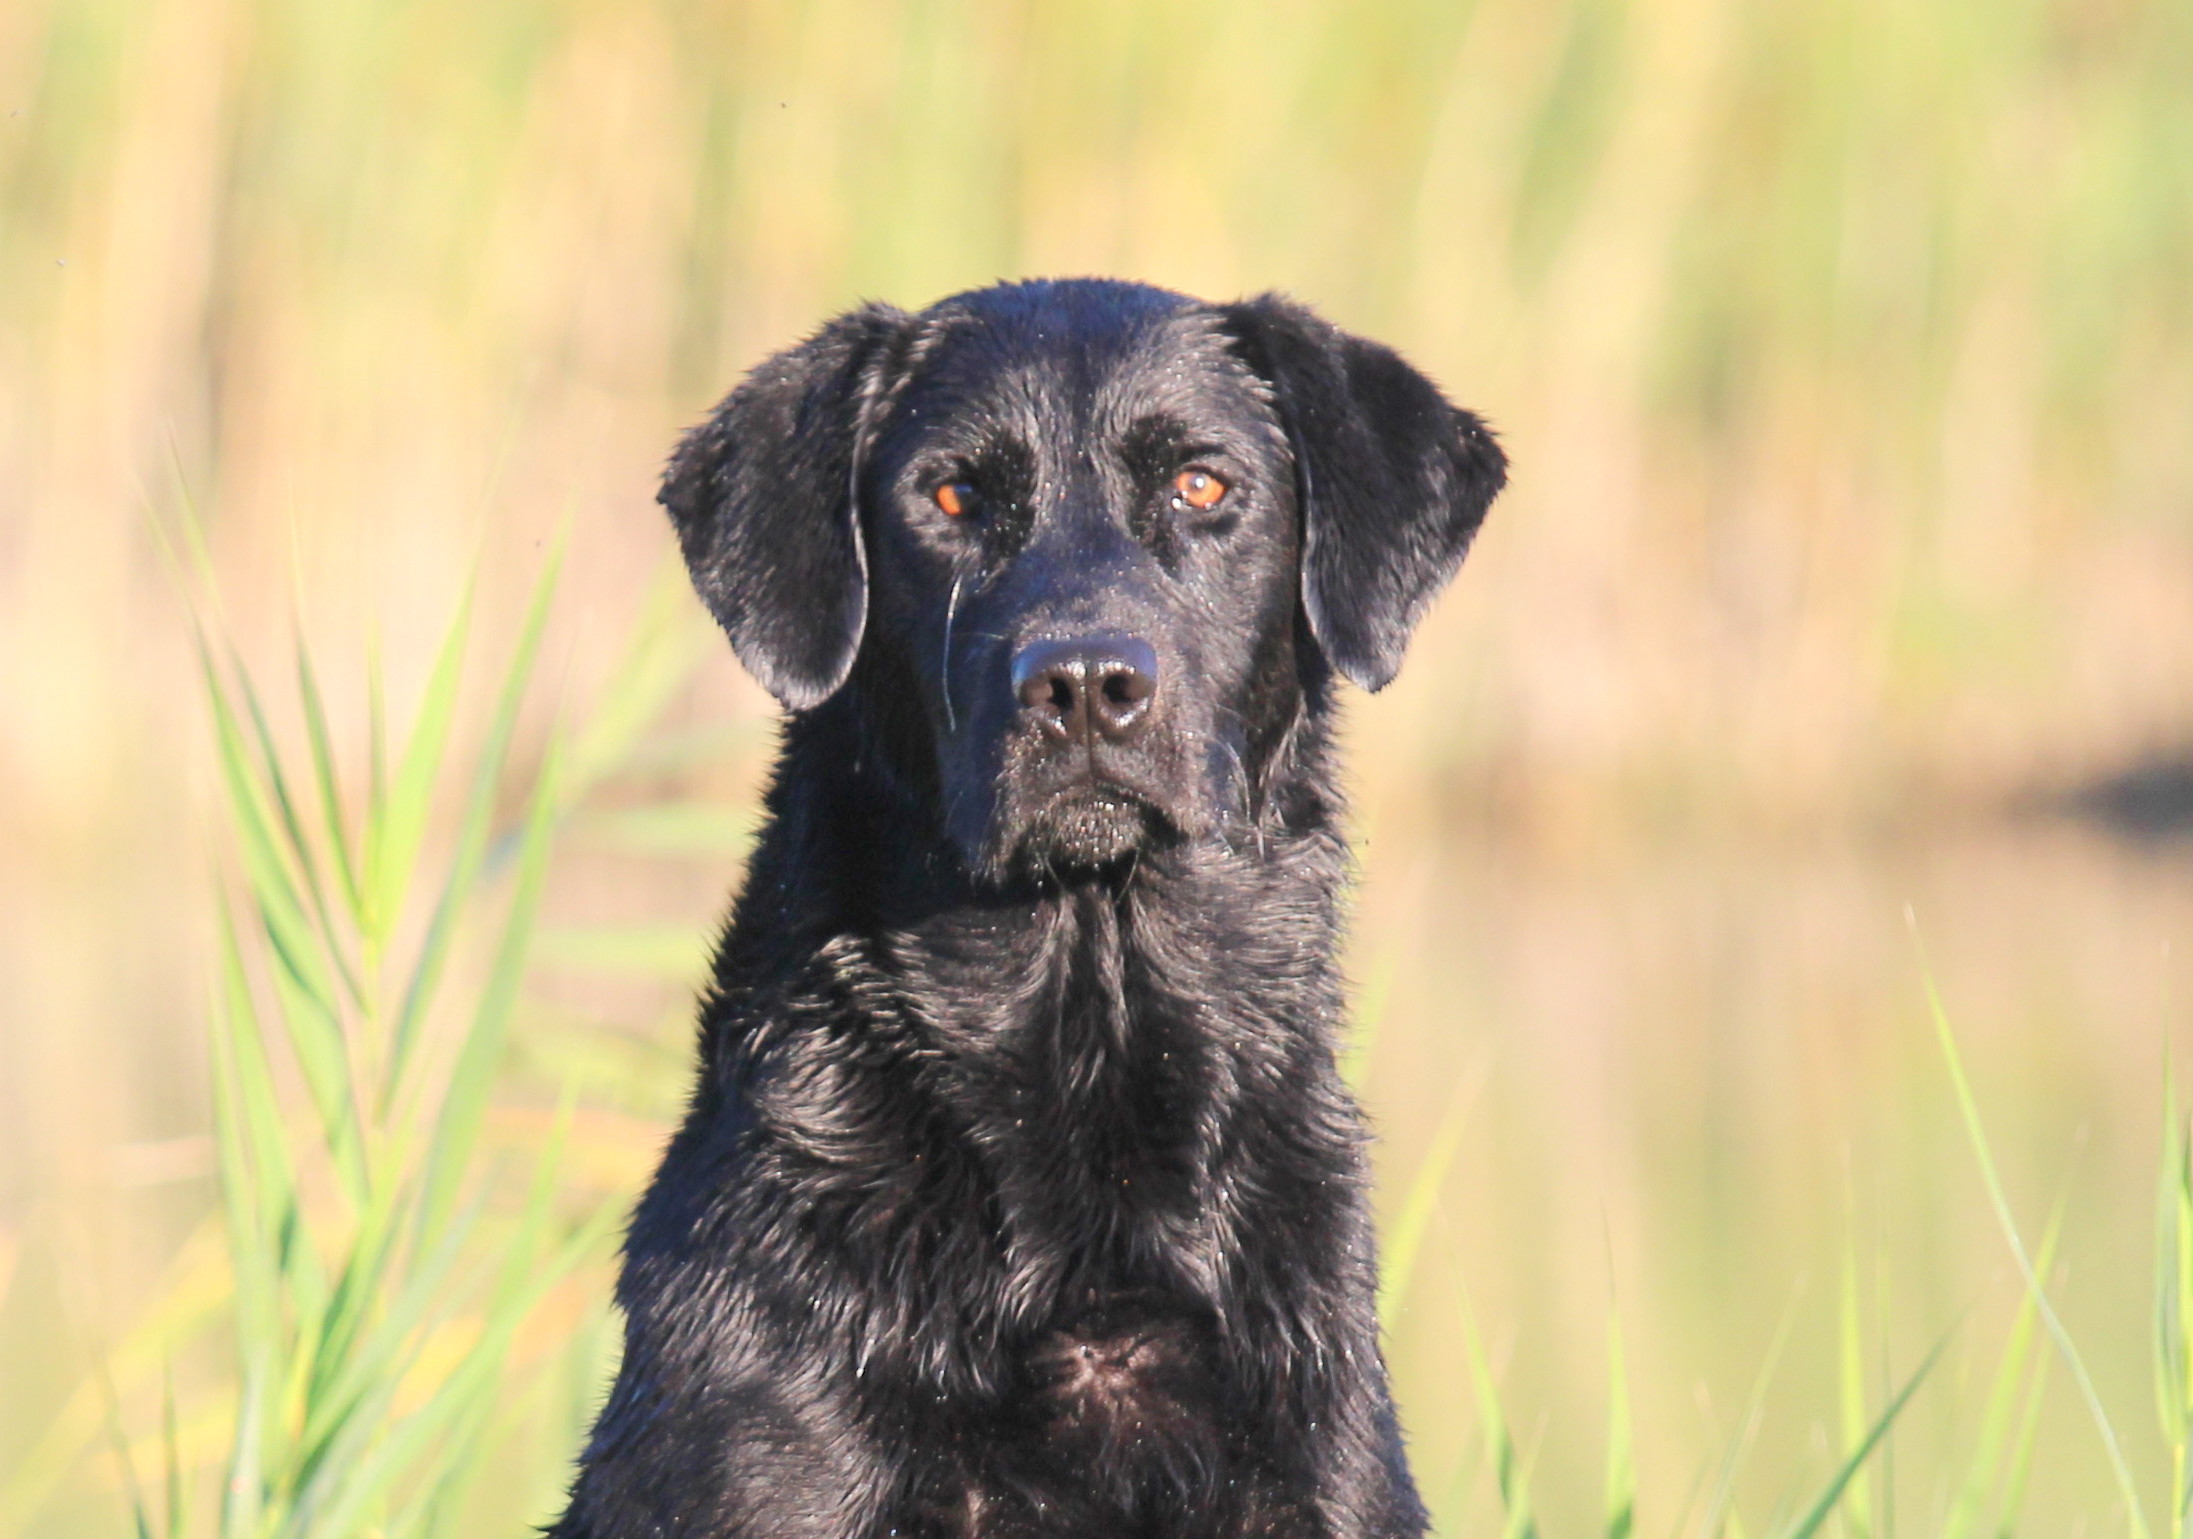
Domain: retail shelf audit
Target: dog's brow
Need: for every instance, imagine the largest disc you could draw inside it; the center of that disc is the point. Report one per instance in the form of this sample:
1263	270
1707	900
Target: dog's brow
1153	442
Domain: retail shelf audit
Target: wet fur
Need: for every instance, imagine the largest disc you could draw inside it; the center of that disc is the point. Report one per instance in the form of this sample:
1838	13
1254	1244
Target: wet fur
1017	1200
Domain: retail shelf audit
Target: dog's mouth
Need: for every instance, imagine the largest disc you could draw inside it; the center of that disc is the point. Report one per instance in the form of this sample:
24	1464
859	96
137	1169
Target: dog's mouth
1046	815
1092	825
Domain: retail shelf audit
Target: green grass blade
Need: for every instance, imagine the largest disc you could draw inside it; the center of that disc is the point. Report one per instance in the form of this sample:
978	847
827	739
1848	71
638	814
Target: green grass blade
193	562
250	1255
365	1481
2021	1459
1720	1517
360	1363
133	1490
235	1035
267	869
1885	1513
1521	1523
401	824
285	806
472	833
176	1484
312	1013
466	1395
329	785
1851	1383
1998	1419
373	830
351	1414
1817	1514
315	1041
1511	1477
1621	1482
1405	1242
294	1267
465	1101
522	1282
1977	1133
296	1271
2174	1301
357	1295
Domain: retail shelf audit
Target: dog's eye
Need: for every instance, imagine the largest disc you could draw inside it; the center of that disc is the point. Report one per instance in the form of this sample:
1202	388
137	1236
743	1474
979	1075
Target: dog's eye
956	498
1198	489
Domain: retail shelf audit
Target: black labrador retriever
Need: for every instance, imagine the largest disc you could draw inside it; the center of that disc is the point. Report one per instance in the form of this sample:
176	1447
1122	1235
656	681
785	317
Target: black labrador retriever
1019	1194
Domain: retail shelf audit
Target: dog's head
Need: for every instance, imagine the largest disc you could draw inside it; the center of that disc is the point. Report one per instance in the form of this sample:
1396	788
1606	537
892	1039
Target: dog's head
1076	528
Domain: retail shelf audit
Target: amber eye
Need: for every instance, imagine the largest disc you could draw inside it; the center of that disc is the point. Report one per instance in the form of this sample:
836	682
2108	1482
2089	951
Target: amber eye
1199	489
956	498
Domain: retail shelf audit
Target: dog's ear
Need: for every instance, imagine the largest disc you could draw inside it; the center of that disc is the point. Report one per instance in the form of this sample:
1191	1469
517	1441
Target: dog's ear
1392	480
765	498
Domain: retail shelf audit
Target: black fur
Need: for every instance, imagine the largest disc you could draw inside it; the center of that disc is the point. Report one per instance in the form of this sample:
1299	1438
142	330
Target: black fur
1019	1194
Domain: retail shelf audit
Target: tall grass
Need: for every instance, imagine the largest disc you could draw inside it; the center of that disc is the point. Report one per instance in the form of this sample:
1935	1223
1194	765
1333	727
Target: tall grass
1988	1490
366	1253
381	1263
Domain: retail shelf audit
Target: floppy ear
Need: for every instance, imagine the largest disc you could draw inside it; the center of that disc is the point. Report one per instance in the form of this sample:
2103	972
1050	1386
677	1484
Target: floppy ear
1391	479
764	495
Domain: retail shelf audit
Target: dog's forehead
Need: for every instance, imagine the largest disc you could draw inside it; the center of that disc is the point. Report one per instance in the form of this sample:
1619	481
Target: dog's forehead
1085	354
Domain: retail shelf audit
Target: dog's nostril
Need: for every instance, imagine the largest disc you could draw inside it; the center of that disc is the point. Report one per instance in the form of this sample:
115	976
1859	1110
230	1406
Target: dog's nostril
1127	687
1121	700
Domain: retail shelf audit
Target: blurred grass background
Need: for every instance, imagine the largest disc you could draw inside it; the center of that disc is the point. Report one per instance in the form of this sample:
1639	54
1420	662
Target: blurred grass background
1845	352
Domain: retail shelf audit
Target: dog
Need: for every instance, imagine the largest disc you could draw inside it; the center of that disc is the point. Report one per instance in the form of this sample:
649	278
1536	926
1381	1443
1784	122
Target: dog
1019	1195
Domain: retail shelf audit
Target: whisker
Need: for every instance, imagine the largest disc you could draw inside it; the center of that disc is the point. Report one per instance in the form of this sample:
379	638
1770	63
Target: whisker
944	675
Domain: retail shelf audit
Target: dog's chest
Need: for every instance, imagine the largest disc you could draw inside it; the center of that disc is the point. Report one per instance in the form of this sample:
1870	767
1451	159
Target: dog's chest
1134	1382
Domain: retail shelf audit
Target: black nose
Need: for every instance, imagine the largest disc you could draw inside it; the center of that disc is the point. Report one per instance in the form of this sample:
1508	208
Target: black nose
1087	686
